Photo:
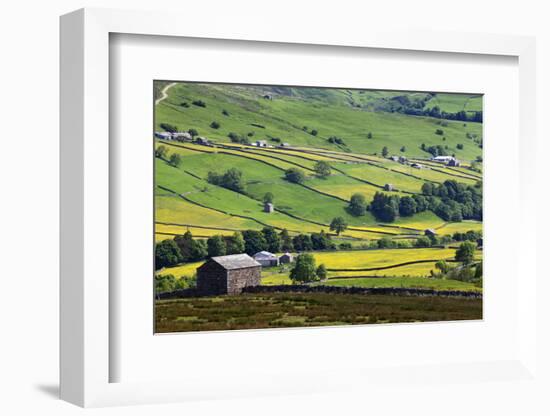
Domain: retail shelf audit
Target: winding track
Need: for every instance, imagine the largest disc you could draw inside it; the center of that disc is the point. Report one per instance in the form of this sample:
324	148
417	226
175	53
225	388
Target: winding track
164	93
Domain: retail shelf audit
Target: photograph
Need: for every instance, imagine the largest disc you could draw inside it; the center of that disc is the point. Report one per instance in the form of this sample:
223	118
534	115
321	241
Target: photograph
279	206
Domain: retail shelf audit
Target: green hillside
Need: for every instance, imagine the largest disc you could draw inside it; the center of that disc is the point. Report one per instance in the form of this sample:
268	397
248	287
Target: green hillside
292	116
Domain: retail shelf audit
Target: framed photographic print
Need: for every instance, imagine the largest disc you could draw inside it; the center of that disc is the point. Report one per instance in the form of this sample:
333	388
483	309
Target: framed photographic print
280	206
291	213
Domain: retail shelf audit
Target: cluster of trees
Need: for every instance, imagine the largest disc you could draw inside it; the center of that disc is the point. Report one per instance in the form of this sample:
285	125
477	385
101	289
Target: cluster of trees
387	208
468	236
467	271
184	248
162	153
169	283
232	179
336	140
415	106
237	138
170	128
305	270
452	201
435	150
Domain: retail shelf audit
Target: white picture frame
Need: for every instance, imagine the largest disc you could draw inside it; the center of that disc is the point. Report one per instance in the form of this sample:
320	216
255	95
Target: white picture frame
86	218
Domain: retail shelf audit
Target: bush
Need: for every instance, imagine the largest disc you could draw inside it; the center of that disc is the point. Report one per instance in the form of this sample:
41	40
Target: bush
169	127
225	113
460	146
175	160
295	175
322	169
439	132
215	125
314	132
199	103
193	132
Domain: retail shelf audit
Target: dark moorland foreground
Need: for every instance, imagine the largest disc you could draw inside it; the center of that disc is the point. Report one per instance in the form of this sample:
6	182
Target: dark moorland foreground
280	310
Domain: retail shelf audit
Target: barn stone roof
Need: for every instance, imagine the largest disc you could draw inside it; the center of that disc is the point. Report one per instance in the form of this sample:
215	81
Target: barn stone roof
236	261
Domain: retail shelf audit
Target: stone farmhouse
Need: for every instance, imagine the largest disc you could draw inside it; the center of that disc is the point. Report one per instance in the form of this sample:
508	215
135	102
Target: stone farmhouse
266	259
228	274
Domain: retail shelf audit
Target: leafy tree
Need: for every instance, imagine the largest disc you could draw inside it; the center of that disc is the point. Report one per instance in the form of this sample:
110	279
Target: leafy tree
199	103
304	269
191	249
167	254
272	239
286	241
321	272
295	175
225	113
322	169
254	241
465	252
407	206
161	152
215	125
478	274
403	149
357	205
302	242
193	132
216	246
369	135
175	160
314	132
385	207
321	241
234	243
232	179
338	224
442	266
385	151
268	198
170	128
460	146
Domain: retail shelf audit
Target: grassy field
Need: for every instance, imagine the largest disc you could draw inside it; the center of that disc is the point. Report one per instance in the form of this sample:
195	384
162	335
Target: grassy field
280	310
452	103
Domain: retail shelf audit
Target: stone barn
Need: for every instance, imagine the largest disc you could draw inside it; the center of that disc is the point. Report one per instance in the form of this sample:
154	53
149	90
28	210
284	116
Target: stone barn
228	274
430	232
286	258
266	259
268	207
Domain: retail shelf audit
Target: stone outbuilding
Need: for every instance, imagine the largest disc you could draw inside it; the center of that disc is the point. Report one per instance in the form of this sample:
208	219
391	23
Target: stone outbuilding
228	274
268	207
266	259
388	187
286	258
430	232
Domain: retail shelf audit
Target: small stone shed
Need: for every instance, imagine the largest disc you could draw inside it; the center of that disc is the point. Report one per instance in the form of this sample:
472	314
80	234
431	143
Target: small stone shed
286	258
268	207
430	232
228	274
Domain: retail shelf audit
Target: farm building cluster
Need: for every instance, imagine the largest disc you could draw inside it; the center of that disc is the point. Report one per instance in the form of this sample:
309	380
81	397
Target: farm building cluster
444	160
230	274
181	136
